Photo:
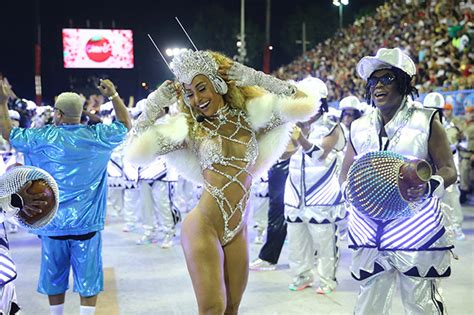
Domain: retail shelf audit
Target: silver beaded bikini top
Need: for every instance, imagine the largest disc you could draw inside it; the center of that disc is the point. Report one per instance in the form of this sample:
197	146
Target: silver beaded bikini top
227	154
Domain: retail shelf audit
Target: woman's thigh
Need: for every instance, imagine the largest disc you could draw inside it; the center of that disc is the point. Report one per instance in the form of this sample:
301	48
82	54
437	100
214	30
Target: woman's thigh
236	269
205	261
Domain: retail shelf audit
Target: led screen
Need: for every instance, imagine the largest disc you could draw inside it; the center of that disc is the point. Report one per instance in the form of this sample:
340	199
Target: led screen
97	48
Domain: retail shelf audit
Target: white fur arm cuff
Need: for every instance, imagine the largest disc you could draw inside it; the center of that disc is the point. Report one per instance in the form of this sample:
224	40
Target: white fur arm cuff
157	140
268	111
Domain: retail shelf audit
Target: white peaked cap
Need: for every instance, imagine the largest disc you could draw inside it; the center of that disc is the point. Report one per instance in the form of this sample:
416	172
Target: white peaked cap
434	100
386	58
349	102
313	86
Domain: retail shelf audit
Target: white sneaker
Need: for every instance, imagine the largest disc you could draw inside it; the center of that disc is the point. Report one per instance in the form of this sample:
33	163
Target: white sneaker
261	265
146	239
324	290
167	241
129	227
301	282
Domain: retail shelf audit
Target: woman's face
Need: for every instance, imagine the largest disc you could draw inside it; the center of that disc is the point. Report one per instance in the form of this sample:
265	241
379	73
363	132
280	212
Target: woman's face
202	96
383	89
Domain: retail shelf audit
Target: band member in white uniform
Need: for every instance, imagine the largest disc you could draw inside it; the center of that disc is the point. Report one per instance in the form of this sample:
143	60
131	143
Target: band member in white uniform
414	249
313	200
259	202
451	204
158	209
115	183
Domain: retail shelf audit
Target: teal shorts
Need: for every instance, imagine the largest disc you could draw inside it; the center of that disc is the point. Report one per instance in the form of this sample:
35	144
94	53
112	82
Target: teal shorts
85	258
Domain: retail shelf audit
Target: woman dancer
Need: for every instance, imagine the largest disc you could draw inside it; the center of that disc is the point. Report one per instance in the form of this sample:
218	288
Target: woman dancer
234	122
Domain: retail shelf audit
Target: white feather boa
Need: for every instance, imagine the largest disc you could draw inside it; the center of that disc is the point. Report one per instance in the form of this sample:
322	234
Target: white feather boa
143	148
272	143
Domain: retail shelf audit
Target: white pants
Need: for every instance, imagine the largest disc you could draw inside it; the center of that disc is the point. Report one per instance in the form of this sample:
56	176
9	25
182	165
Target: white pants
115	200
158	208
304	239
453	210
186	195
419	295
259	209
7	297
131	204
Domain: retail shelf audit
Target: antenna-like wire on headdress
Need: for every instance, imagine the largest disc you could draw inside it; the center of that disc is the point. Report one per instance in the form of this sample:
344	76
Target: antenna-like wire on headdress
159	51
182	27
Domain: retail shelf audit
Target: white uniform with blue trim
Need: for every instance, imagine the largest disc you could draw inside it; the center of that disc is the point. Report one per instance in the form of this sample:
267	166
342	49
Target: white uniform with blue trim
158	207
313	203
8	299
416	249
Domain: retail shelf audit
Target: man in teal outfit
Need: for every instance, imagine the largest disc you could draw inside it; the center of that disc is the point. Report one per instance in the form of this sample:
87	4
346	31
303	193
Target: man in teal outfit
76	156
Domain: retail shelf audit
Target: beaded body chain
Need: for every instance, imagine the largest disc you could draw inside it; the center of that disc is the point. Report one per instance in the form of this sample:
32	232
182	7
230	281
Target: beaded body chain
227	154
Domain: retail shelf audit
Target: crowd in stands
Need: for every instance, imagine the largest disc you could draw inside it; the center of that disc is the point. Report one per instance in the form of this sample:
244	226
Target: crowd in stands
437	34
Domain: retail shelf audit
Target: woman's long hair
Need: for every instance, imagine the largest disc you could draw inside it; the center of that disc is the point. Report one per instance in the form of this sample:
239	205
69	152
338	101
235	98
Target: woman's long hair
236	97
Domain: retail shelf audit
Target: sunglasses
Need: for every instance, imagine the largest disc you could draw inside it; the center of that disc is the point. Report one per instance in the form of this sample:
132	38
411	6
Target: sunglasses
386	79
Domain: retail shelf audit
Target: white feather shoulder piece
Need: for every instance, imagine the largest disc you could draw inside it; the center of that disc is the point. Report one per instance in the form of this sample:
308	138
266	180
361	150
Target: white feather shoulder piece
261	109
144	148
273	142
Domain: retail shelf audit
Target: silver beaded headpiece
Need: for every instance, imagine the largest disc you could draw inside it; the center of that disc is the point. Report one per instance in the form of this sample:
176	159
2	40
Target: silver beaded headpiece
187	65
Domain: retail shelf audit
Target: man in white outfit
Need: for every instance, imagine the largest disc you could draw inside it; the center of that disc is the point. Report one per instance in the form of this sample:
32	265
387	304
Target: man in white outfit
313	201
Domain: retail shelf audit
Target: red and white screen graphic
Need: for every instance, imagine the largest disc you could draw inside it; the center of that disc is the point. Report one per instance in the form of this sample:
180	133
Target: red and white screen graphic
97	48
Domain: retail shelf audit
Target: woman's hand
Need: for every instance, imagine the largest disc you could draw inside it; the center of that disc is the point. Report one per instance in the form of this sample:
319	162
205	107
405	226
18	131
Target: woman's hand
238	74
224	72
165	95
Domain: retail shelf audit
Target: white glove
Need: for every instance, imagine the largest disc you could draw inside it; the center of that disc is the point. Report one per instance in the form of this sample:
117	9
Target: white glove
246	76
162	97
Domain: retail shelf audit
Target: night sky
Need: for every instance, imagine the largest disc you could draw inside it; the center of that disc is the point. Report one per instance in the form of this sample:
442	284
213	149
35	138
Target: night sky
18	36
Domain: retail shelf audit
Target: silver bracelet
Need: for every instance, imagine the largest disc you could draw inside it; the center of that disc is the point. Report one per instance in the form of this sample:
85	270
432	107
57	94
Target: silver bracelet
113	96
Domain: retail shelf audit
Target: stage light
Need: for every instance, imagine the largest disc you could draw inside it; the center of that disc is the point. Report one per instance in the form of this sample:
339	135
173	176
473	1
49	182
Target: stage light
270	47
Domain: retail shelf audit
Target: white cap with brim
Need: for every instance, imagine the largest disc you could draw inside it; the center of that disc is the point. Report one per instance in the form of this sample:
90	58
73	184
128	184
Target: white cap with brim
434	100
313	86
70	104
349	102
386	58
